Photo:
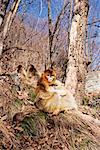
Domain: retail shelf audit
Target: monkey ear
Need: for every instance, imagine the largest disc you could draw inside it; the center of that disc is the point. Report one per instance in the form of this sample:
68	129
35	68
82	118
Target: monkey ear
52	68
20	69
53	65
33	71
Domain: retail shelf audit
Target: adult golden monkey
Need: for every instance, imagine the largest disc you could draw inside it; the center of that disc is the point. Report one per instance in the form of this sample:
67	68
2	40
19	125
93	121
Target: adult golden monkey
52	96
30	76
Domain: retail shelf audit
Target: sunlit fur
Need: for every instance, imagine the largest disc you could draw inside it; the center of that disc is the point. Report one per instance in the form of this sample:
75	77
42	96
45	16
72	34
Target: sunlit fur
43	83
52	96
28	76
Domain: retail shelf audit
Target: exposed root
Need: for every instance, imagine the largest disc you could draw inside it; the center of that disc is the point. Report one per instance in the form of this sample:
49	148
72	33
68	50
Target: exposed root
88	118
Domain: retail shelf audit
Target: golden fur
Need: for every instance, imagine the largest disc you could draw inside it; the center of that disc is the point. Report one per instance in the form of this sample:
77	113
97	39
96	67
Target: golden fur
28	76
52	96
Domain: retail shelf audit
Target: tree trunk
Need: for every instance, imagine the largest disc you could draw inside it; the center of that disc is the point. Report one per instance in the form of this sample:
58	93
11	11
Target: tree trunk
76	69
3	8
53	29
50	30
8	19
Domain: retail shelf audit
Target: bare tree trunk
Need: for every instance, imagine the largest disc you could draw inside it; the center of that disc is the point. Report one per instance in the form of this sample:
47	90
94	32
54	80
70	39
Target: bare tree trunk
3	8
53	29
50	30
7	23
76	56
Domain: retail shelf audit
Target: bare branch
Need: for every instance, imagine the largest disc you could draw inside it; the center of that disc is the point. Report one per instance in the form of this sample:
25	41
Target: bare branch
59	18
41	8
89	24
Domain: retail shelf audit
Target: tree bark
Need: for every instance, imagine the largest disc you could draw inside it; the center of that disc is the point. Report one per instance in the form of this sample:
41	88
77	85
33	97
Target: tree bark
76	69
3	8
50	30
54	28
7	21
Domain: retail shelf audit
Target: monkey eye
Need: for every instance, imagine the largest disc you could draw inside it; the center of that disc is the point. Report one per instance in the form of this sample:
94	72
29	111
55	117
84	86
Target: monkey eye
52	75
48	75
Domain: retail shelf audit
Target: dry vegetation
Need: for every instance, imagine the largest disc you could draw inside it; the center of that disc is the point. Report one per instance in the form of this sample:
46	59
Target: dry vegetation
22	125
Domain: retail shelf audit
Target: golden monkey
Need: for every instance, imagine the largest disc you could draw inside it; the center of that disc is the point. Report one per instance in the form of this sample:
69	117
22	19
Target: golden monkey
52	96
48	77
29	76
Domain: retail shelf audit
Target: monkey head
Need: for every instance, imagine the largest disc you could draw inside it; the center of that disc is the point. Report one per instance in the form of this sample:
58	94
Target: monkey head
49	76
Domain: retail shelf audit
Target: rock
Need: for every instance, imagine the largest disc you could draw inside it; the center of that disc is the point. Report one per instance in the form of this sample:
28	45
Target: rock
92	83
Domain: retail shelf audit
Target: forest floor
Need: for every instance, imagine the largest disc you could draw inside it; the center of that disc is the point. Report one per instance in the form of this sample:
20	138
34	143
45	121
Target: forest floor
24	127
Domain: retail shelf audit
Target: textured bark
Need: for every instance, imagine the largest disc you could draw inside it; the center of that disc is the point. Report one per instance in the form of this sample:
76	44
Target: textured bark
76	56
50	29
3	8
8	19
54	28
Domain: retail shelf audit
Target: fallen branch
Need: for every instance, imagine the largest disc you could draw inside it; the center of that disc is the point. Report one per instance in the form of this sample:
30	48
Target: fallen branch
88	118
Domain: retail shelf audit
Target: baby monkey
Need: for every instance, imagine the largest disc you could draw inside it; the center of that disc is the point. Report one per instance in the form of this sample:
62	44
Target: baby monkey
52	96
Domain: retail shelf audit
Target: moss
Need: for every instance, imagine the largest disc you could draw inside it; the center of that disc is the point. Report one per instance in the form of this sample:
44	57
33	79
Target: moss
15	107
18	102
42	116
85	101
32	95
31	124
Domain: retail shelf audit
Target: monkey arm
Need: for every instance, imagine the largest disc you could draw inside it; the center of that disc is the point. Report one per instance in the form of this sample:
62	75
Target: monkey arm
58	83
58	88
45	95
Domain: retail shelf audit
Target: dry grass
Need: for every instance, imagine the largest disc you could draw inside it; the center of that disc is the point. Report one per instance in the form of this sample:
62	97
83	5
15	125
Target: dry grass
42	131
24	127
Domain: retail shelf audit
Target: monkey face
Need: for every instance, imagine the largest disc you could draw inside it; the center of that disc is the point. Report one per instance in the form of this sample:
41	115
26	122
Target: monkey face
49	75
50	78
